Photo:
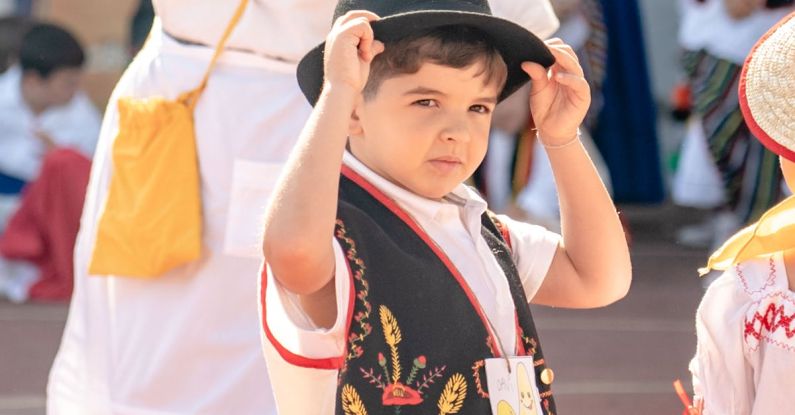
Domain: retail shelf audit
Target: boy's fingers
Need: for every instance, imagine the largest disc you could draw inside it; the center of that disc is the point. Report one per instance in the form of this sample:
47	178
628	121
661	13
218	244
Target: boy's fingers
371	50
377	48
577	85
361	28
354	14
568	49
566	61
556	43
538	75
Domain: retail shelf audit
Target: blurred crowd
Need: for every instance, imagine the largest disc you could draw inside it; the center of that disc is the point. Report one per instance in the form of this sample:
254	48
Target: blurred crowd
47	119
48	132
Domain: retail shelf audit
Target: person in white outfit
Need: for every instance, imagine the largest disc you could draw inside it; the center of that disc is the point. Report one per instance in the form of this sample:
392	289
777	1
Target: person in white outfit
188	342
43	115
746	349
722	167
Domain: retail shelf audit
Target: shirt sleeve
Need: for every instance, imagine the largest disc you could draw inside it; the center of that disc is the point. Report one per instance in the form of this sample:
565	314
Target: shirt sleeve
536	16
21	150
533	248
292	327
75	126
721	374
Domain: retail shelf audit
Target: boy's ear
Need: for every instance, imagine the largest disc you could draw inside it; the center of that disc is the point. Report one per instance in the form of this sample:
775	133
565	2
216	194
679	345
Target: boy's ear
354	124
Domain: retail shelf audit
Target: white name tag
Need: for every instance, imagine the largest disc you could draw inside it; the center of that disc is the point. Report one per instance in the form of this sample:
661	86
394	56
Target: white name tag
514	391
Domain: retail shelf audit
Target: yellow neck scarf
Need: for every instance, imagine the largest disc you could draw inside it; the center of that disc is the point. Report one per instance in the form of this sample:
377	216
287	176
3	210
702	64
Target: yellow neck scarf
774	232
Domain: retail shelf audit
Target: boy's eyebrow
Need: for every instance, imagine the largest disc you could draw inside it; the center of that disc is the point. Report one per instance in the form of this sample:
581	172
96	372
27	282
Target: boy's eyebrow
421	90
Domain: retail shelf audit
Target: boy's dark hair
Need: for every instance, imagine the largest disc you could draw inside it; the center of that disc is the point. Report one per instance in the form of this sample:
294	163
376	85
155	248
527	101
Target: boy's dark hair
47	47
454	46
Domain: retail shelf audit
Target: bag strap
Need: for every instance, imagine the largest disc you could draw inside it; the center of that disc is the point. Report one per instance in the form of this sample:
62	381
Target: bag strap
191	97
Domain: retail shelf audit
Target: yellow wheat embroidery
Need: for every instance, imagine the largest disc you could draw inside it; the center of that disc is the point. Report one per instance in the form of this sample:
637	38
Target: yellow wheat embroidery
351	402
393	337
453	395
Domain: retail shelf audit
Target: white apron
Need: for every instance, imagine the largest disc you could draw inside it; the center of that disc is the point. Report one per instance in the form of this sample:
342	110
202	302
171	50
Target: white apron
187	342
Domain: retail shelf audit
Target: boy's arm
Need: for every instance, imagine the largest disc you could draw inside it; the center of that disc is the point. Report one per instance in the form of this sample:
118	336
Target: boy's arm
299	223
591	267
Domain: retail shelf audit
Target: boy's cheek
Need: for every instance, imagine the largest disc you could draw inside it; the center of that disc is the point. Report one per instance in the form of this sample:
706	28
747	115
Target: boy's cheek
788	170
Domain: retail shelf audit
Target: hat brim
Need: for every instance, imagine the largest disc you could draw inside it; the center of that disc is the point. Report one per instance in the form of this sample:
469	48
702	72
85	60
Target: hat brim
515	43
768	101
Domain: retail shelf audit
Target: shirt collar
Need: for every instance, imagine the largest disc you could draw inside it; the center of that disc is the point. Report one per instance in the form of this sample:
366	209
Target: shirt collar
465	201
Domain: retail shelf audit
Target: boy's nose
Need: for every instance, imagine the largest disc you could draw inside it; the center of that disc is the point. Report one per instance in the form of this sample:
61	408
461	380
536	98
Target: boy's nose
456	130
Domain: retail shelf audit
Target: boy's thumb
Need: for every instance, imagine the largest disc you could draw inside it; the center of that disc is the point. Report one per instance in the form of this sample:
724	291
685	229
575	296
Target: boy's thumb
538	75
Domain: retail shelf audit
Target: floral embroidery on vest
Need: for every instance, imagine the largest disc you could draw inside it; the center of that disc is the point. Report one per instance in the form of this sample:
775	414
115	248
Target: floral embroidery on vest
361	316
411	391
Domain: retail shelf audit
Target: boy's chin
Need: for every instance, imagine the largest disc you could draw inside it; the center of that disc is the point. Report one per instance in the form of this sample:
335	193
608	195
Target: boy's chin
435	194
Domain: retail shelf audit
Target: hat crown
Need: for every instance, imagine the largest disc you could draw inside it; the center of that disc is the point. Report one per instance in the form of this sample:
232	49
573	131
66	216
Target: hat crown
767	88
384	8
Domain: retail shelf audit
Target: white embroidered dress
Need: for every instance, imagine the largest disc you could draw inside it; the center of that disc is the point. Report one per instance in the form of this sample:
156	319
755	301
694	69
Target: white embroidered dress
745	359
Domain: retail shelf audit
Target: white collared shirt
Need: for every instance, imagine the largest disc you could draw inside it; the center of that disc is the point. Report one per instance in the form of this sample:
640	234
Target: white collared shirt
456	228
74	125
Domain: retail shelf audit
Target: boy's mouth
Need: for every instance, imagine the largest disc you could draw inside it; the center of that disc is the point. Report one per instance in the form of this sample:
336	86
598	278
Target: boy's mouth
446	164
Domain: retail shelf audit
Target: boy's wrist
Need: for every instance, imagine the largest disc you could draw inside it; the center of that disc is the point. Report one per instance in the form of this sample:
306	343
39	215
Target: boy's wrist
339	92
559	140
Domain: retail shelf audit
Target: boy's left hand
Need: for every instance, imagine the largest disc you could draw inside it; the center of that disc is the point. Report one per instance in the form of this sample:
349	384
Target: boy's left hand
559	98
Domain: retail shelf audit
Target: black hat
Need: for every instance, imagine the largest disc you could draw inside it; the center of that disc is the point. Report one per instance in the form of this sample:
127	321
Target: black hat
400	18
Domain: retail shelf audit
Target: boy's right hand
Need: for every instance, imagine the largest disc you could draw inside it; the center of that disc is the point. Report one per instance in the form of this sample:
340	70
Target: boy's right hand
350	48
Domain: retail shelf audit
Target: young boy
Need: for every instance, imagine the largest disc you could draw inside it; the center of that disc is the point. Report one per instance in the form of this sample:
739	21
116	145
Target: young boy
48	130
390	287
746	343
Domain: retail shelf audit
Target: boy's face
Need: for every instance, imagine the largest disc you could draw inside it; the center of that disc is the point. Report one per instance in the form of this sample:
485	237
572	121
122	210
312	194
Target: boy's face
427	131
788	170
56	89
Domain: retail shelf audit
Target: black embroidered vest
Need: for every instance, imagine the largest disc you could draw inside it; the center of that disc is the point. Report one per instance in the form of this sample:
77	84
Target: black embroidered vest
417	338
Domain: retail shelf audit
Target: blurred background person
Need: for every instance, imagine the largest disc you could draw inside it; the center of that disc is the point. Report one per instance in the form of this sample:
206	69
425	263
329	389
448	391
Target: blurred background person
716	36
620	129
140	25
12	28
582	27
48	130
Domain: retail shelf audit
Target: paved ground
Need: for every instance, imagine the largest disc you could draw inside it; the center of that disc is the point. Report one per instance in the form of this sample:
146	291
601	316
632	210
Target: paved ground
617	360
622	359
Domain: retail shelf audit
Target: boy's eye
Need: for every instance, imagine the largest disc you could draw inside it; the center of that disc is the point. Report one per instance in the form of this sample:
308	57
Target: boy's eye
481	109
426	103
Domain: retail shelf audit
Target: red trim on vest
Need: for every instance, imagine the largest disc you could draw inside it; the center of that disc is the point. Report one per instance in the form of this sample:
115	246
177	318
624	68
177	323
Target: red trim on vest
520	350
758	131
331	363
400	213
504	232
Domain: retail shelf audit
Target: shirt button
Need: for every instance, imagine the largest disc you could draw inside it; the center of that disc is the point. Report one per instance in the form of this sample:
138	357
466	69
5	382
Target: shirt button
547	376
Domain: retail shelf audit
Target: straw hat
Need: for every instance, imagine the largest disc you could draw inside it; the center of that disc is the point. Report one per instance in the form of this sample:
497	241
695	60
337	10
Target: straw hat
767	100
767	89
400	18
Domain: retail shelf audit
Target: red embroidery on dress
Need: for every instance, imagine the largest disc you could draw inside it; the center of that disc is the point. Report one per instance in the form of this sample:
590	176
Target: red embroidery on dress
771	321
763	326
771	278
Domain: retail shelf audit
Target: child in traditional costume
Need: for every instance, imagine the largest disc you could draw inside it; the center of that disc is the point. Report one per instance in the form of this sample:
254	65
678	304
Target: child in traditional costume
390	287
746	343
